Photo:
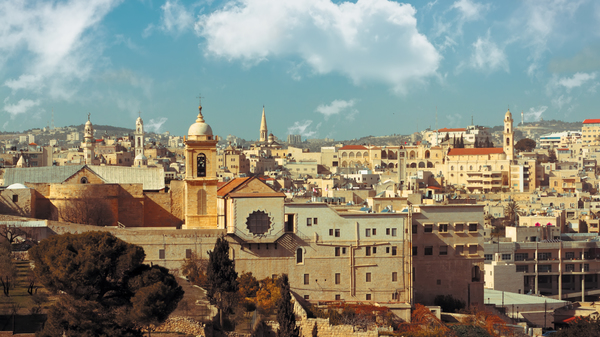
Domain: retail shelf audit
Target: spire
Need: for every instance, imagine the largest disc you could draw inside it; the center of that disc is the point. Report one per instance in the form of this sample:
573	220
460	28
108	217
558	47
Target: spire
200	118
263	127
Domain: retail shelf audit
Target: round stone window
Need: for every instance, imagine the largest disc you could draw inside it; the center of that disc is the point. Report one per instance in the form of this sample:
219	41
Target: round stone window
258	222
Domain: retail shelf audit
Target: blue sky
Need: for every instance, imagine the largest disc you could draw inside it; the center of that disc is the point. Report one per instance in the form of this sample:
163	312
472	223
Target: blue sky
321	68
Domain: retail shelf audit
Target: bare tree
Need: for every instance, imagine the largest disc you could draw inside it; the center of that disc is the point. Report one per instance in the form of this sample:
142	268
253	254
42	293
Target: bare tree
10	233
8	270
87	210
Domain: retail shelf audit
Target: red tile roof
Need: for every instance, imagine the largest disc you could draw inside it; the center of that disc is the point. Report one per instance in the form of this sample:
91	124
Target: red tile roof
353	147
475	151
452	130
231	185
32	144
591	121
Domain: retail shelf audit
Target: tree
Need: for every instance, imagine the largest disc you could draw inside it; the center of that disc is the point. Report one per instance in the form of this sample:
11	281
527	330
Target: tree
552	156
222	285
194	269
8	270
525	144
87	210
105	288
268	294
285	312
248	285
581	327
11	233
511	211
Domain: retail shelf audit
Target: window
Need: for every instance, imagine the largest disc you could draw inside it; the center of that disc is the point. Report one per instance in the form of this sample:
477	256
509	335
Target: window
368	232
368	297
506	256
368	278
459	227
337	233
161	254
428	250
415	251
306	297
387	231
544	256
387	250
331	232
586	267
459	249
523	269
428	228
188	253
570	255
368	251
314	221
258	222
83	180
473	249
337	251
394	230
545	268
15	198
299	255
344	250
488	257
306	278
309	221
569	267
443	250
472	227
201	165
374	231
443	228
338	278
394	251
394	276
521	256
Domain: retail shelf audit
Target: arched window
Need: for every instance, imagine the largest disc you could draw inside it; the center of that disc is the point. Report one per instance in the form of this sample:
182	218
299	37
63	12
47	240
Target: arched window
351	155
421	164
365	154
427	154
201	165
471	168
507	141
475	274
84	180
451	168
299	255
461	168
502	167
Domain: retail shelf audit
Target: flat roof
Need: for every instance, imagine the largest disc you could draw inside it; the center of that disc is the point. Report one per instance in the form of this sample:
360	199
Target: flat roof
495	297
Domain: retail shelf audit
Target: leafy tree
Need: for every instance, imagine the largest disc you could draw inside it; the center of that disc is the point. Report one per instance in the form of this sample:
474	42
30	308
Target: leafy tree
449	303
268	294
552	156
581	327
285	312
222	285
106	289
194	269
511	211
8	270
248	285
447	137
525	144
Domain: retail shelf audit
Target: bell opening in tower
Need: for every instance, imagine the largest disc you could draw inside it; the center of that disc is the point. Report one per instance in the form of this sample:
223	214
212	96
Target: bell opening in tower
201	165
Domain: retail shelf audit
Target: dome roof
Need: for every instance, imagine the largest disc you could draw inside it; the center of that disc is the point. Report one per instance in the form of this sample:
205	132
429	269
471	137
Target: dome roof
200	128
140	157
508	114
16	186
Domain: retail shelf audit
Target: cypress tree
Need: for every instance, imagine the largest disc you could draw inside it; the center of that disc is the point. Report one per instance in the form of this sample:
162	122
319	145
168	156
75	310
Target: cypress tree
285	312
221	278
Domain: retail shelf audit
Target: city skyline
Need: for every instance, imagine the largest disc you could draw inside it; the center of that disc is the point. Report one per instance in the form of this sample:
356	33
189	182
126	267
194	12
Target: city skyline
337	69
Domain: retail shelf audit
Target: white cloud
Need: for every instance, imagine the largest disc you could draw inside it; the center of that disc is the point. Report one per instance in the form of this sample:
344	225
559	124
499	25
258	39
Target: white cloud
336	107
487	56
50	42
370	40
175	18
303	128
21	107
155	125
470	10
451	29
534	114
561	101
577	80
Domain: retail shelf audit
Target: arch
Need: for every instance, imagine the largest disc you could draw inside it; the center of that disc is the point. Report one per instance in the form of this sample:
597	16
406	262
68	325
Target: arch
427	154
358	155
507	141
421	164
412	155
299	256
461	168
413	165
344	164
401	154
84	180
501	167
344	154
470	167
351	155
201	165
383	165
429	164
383	154
366	154
451	168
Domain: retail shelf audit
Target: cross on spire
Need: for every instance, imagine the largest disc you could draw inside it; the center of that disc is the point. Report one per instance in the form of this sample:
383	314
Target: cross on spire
199	99
89	116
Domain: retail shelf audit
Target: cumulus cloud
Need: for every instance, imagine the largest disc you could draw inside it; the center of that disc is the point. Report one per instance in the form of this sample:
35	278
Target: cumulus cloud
487	56
303	128
22	106
154	125
561	101
370	40
535	113
175	18
49	41
470	10
576	81
338	107
451	30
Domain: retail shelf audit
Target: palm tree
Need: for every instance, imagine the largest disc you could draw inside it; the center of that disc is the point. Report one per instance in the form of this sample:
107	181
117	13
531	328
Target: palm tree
511	211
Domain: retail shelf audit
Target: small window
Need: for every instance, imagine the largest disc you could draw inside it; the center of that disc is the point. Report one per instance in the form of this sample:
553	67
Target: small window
415	251
314	221
337	251
368	232
473	249
374	250
309	221
374	231
344	250
299	255
161	254
394	232
368	278
415	229
338	297
459	227
84	180
15	198
443	250
394	250
473	227
488	257
506	256
394	277
188	253
368	297
306	278
368	251
428	229
428	250
443	228
338	278
337	233
331	232
387	250
306	297
459	249
387	231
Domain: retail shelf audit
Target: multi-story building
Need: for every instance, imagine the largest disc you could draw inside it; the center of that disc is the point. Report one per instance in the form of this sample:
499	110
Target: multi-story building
590	131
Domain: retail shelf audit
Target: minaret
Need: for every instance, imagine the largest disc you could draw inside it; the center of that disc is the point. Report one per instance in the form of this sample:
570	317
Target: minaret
139	136
522	118
508	136
263	127
88	142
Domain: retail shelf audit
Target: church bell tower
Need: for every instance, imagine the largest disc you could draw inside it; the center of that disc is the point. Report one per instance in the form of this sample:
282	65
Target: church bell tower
508	139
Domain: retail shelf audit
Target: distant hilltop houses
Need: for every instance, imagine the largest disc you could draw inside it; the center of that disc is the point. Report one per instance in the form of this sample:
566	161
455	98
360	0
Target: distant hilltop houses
461	213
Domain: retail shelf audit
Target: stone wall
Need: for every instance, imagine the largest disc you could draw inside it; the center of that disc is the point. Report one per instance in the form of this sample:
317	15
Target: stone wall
157	210
184	325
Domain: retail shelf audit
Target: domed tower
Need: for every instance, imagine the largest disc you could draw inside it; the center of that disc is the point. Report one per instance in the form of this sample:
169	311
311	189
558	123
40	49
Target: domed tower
88	142
200	175
508	138
263	127
139	136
